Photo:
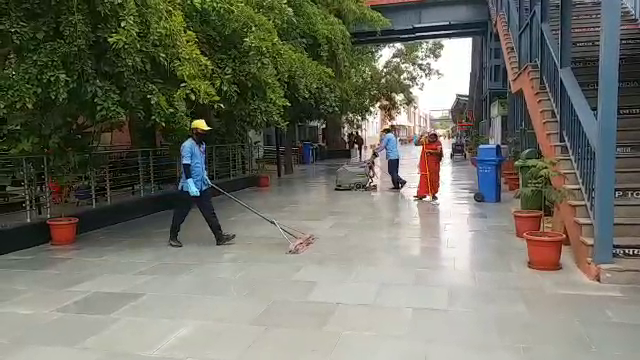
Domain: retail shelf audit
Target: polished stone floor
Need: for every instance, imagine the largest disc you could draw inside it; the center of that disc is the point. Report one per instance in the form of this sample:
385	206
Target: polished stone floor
388	279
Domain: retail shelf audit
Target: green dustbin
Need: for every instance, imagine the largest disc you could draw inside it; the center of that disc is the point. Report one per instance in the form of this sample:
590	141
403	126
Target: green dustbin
533	201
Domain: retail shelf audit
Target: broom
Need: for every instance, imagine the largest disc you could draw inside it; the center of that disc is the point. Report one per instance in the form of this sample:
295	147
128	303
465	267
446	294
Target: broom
426	166
298	240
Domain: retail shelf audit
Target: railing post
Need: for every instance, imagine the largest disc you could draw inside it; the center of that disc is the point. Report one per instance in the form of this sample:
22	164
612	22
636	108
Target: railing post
25	187
607	129
151	175
108	181
565	33
544	11
47	189
92	178
140	173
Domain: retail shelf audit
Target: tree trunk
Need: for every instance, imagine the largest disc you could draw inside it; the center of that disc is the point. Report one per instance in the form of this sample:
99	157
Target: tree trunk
334	133
288	150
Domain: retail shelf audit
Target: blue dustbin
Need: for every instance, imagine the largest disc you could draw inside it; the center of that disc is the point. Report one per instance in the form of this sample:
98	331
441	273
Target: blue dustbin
306	152
489	163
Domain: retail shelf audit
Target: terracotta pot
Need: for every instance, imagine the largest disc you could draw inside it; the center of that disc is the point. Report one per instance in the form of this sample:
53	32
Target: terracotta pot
508	167
513	183
506	174
544	249
63	230
264	181
527	220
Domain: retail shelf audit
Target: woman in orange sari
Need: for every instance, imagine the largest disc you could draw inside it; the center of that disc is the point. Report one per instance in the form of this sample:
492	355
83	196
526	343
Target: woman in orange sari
430	158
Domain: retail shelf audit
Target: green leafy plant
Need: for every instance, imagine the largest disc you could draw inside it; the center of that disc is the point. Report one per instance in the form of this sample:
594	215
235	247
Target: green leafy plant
539	182
513	142
475	141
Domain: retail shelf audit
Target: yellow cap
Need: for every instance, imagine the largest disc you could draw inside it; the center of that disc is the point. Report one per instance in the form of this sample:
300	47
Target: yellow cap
200	125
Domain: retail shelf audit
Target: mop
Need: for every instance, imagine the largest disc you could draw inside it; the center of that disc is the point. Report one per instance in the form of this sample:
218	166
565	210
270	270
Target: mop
298	240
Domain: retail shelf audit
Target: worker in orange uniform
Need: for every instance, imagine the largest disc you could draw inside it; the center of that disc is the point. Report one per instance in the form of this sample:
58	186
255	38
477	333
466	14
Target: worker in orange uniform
430	158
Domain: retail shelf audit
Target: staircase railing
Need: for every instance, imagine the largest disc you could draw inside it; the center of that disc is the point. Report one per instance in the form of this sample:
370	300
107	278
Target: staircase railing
634	5
578	128
586	138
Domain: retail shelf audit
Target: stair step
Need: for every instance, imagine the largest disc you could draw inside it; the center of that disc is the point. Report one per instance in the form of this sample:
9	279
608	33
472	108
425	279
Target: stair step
626	178
623	161
618	241
622	226
621	272
623	265
616	221
622	208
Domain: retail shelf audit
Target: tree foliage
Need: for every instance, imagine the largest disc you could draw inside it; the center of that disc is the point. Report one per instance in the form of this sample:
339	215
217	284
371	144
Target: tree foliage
72	69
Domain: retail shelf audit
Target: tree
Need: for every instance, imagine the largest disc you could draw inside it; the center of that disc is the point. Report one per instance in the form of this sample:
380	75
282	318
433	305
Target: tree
71	70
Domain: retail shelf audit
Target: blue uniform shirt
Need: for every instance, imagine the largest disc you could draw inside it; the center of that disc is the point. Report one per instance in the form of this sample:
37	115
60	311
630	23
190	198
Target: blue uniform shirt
195	155
390	145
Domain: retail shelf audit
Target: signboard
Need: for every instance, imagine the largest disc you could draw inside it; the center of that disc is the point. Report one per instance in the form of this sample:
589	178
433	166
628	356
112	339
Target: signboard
470	117
499	107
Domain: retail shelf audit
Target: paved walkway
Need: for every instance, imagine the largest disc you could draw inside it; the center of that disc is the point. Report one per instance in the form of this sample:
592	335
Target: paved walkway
389	278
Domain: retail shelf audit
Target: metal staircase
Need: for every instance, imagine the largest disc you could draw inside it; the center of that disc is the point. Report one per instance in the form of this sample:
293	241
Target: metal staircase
564	95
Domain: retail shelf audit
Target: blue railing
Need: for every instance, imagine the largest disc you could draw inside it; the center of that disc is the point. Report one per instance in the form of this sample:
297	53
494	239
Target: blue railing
577	122
586	138
634	5
537	46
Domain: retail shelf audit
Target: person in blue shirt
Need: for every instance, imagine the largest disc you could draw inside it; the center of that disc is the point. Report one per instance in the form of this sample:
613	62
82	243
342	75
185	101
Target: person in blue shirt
195	187
389	144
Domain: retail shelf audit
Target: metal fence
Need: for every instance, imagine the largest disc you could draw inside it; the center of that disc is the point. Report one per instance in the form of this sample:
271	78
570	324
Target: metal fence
37	187
634	5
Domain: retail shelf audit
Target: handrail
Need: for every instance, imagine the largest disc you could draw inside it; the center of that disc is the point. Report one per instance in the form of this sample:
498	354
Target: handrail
577	123
576	96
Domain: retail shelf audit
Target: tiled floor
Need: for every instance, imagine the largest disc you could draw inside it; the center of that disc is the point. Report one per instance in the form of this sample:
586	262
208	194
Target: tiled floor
388	279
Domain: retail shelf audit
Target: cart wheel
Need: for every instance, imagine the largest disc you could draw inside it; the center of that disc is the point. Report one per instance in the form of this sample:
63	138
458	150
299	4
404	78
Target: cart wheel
451	155
359	186
478	197
464	154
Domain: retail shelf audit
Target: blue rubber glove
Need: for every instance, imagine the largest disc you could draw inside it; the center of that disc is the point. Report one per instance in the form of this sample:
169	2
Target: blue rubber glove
192	189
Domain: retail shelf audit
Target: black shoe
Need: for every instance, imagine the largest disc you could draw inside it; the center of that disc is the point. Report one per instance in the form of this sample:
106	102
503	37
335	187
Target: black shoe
175	243
225	239
434	198
403	183
394	188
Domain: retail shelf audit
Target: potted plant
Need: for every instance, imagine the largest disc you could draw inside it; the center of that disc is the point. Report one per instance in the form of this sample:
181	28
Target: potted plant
263	178
543	247
63	229
508	166
475	141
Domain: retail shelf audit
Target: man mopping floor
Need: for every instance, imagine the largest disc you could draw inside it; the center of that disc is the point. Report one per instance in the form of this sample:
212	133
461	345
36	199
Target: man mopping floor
195	187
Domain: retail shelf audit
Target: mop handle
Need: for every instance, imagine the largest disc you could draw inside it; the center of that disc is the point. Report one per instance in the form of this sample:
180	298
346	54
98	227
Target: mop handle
280	227
243	204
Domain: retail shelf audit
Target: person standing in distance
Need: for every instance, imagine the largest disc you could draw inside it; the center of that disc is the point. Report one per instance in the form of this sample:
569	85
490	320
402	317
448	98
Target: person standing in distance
195	187
390	145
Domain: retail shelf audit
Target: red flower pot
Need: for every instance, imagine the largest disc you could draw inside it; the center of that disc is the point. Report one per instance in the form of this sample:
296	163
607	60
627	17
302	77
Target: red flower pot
63	230
544	249
527	220
508	167
513	183
264	181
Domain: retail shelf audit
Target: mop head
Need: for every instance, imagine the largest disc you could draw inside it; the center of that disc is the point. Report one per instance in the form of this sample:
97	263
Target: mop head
301	244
